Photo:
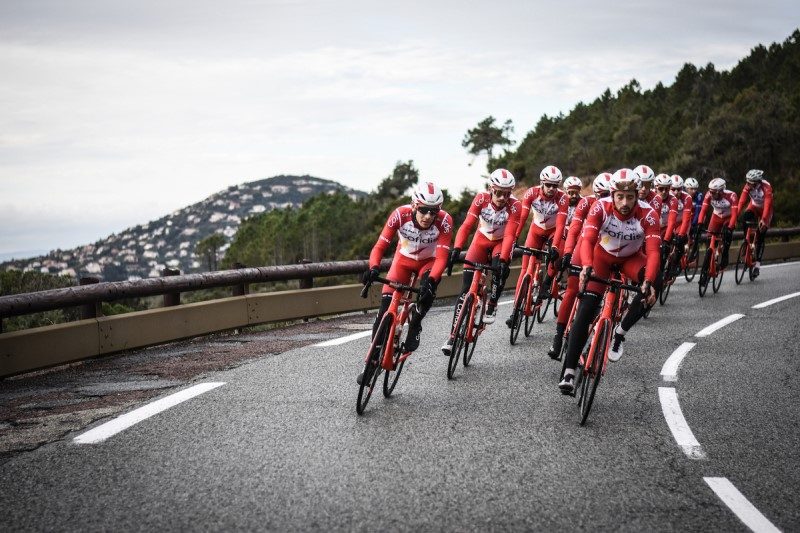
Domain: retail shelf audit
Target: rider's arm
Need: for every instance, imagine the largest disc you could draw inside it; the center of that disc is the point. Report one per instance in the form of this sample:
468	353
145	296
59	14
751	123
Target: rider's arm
527	199
652	246
472	218
734	211
442	246
576	225
672	216
511	230
688	208
561	221
766	214
706	203
385	239
591	230
743	197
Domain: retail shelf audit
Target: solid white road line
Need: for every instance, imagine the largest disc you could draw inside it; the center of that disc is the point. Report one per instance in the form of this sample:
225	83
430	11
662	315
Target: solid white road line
775	300
777	265
348	338
104	431
677	424
737	503
669	372
505	302
705	332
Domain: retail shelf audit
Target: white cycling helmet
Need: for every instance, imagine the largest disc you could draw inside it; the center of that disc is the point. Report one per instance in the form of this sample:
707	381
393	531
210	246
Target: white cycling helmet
550	174
691	183
677	182
602	183
754	175
662	180
623	180
643	174
717	184
502	178
573	182
427	194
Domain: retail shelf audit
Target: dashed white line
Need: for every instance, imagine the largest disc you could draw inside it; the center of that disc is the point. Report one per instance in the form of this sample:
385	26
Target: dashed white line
347	338
111	428
776	300
741	507
669	372
677	424
705	332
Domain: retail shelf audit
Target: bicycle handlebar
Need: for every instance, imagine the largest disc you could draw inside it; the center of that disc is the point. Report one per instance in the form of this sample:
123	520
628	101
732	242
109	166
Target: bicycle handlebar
393	284
481	266
531	251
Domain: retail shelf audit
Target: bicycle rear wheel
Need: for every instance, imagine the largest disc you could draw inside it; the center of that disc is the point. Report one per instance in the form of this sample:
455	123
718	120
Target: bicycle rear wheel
593	375
530	321
692	256
741	263
460	339
390	377
469	347
519	311
372	368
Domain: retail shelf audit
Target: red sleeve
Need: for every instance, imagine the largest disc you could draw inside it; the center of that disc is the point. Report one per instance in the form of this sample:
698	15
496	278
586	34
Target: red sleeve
688	209
561	221
766	215
672	216
385	238
575	226
652	246
511	231
706	202
527	200
442	246
469	222
591	229
734	210
743	197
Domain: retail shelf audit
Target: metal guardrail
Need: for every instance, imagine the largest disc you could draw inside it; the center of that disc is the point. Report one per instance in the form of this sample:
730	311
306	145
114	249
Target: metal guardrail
22	304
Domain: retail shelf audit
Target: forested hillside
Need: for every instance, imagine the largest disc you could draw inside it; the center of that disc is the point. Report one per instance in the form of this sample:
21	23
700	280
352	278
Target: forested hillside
706	124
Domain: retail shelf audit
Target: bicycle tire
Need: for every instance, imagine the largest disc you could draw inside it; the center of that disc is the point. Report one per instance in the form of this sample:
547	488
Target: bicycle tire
372	368
469	347
664	294
530	320
541	311
518	311
741	263
692	263
716	283
460	338
702	283
563	353
592	377
390	377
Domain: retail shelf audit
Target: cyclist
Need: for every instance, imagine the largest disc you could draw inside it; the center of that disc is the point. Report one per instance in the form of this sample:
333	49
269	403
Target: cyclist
600	189
760	208
669	206
497	214
725	207
697	199
684	219
619	231
424	231
644	177
572	187
549	206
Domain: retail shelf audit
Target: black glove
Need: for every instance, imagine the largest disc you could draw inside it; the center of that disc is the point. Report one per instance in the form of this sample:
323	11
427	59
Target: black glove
727	234
454	255
505	270
566	260
553	254
665	246
679	240
371	275
427	290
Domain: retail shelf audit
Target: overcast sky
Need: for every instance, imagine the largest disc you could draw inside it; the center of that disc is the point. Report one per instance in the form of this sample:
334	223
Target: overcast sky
114	113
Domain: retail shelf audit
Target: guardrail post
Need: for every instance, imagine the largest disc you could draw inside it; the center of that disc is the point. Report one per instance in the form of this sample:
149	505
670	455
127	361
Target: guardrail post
242	288
92	310
171	298
306	283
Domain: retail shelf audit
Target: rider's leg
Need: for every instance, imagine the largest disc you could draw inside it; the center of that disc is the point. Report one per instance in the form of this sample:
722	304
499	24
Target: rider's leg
563	315
588	307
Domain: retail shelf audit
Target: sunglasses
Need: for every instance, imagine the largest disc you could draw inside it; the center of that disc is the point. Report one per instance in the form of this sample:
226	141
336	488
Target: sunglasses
549	185
663	189
428	210
501	193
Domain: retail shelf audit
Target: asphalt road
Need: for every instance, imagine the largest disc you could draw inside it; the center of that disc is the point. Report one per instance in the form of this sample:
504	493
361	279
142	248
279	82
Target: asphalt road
280	447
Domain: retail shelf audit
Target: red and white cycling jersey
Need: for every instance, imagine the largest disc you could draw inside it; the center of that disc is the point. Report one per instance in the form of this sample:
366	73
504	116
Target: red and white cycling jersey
413	241
495	224
622	237
576	224
723	207
654	199
669	215
685	211
545	210
760	195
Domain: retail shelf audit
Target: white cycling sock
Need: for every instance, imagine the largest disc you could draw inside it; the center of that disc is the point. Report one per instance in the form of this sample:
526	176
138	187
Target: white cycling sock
569	372
620	331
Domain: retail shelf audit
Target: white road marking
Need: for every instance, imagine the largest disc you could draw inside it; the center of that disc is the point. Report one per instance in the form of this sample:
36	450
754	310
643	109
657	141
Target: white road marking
776	265
705	332
347	338
669	372
505	302
111	428
677	424
775	300
737	503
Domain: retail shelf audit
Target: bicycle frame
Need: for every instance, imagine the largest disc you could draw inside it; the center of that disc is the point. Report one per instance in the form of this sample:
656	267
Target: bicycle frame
477	289
532	273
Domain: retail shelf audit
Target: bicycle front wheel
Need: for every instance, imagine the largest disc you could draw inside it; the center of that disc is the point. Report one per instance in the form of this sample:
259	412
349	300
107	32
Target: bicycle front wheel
716	283
390	377
469	347
519	310
691	256
372	368
741	263
530	320
592	375
702	283
460	338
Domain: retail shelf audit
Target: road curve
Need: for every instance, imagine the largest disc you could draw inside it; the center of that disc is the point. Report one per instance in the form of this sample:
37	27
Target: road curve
279	446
